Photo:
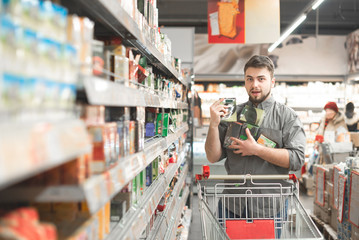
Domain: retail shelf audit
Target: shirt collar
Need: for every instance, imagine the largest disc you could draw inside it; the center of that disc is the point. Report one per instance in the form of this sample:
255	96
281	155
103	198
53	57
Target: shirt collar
264	105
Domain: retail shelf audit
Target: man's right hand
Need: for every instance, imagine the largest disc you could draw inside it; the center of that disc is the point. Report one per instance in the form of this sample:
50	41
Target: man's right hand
217	111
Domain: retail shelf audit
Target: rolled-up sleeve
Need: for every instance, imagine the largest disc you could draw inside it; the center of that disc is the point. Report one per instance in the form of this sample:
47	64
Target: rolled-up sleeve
294	141
222	128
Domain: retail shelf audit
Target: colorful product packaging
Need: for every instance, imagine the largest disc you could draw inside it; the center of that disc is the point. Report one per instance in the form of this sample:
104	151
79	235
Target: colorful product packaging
104	149
231	115
132	136
149	175
155	168
162	124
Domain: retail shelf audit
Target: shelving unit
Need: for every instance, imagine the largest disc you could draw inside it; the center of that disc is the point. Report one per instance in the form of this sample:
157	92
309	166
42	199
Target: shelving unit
103	92
135	221
39	146
165	222
117	21
99	189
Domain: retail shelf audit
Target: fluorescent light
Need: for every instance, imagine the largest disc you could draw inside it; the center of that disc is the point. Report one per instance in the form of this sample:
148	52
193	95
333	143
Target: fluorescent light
316	4
286	33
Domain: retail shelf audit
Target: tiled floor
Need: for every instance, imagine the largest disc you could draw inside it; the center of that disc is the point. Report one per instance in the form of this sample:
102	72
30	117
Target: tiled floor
195	230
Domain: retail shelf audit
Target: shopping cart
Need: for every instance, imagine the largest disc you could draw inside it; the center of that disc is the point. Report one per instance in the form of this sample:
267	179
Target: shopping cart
252	207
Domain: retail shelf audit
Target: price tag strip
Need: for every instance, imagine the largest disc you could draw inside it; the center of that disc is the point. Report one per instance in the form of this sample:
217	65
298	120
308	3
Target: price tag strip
354	199
320	187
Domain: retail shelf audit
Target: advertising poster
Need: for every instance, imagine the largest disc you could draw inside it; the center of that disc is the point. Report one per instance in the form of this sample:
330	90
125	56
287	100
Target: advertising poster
243	21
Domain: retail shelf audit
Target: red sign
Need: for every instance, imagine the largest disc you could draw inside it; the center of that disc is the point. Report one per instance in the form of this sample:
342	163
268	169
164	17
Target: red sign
226	22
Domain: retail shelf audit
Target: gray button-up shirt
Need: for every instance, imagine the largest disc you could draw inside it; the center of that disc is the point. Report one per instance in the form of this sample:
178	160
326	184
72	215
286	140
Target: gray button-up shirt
281	125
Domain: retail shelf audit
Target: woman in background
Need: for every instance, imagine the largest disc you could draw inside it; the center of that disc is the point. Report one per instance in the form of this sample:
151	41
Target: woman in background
333	122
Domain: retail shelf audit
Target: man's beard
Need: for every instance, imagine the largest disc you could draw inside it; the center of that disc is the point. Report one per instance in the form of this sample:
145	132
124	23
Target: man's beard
259	100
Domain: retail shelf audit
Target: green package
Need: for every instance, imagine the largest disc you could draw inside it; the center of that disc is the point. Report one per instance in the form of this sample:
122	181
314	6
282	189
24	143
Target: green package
154	169
252	115
162	127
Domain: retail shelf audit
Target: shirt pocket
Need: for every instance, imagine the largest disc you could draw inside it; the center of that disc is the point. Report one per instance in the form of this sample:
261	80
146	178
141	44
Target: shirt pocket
273	135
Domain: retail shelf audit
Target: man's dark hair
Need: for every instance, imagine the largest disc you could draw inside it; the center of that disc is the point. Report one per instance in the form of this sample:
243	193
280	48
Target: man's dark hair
260	61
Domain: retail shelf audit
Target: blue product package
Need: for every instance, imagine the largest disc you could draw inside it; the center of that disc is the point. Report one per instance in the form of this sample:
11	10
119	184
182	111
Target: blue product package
150	130
149	175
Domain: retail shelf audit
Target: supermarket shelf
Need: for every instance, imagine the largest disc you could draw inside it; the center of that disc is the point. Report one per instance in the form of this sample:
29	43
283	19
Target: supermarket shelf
162	223
110	14
136	220
99	189
29	149
172	228
103	92
187	219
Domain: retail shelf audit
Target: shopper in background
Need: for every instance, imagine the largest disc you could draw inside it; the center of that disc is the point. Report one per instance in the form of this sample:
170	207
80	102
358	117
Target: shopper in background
281	125
351	117
332	126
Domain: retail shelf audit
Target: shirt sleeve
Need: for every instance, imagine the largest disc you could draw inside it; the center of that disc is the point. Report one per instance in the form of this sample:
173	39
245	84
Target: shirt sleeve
222	128
294	141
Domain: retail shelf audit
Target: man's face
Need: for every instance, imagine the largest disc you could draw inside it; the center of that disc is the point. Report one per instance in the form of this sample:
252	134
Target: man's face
258	84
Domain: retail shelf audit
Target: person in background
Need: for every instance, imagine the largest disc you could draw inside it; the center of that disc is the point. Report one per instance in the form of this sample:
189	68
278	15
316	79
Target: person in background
351	117
332	122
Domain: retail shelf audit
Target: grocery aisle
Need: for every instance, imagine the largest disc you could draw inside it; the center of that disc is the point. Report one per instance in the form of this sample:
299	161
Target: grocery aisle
94	109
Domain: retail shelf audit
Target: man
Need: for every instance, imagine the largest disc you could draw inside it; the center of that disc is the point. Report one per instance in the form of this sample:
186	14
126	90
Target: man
281	125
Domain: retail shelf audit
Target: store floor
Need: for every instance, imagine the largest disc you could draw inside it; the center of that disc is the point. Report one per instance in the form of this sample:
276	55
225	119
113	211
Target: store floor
195	230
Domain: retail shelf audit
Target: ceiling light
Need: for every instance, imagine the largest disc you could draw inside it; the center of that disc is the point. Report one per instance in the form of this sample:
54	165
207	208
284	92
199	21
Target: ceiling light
287	32
316	4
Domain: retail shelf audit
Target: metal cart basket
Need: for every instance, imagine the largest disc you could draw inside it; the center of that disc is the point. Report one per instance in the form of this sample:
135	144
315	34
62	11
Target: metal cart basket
252	207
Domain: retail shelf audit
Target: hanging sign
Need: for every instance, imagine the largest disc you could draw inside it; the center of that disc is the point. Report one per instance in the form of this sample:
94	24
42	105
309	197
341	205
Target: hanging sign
243	21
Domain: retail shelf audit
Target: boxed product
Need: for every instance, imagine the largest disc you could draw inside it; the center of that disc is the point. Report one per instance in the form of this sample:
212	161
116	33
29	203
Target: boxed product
135	189
262	140
98	58
139	116
162	124
104	149
149	175
80	34
150	124
117	63
155	171
132	136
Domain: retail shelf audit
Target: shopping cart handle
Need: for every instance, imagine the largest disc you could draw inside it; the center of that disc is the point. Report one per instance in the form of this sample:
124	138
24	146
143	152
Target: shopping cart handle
206	175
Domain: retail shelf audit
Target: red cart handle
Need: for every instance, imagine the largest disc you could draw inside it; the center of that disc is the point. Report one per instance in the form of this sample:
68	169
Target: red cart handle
206	175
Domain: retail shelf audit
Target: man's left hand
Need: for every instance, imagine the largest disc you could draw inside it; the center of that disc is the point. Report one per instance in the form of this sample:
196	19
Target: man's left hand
247	147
